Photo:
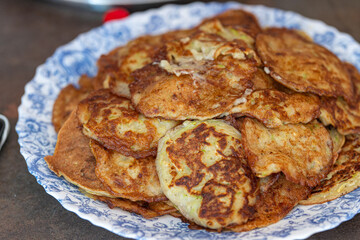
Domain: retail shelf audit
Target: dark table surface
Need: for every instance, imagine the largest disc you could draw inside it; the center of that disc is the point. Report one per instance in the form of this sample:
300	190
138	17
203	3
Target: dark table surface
30	31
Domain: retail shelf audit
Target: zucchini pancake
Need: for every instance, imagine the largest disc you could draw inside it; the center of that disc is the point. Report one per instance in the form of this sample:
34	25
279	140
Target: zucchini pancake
204	173
112	121
227	126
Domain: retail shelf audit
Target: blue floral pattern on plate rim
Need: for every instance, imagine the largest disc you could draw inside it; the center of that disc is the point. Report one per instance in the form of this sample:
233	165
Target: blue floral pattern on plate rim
37	137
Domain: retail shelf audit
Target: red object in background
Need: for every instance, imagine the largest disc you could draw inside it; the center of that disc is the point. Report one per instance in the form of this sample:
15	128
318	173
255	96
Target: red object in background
115	13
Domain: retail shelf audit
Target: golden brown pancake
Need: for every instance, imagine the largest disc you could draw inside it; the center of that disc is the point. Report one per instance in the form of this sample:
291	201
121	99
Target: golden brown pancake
275	204
199	77
127	177
204	173
303	152
202	48
108	67
113	122
274	108
238	19
73	159
230	34
344	176
303	65
66	102
115	67
338	113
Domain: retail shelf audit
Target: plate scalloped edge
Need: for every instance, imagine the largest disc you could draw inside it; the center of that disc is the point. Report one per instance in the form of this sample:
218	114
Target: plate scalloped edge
37	137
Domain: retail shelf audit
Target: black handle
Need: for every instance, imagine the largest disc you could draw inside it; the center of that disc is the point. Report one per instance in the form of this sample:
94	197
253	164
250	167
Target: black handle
2	128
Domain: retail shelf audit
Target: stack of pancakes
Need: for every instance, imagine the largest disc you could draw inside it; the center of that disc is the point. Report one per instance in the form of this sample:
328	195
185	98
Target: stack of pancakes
226	125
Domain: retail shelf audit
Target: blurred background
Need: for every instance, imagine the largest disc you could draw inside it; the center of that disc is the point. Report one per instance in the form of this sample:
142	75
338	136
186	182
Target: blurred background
102	5
30	32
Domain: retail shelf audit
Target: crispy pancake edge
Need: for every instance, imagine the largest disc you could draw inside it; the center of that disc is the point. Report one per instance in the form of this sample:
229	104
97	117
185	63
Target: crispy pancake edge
72	150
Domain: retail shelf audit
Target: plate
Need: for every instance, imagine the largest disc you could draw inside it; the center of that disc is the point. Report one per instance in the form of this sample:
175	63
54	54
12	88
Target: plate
37	137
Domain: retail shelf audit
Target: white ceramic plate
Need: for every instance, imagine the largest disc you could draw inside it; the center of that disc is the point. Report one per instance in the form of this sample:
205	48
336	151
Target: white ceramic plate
37	137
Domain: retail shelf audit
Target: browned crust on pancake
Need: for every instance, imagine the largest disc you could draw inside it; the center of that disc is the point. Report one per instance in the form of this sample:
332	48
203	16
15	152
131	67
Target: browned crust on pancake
118	71
274	204
73	158
338	113
229	173
239	19
303	65
133	179
165	95
105	132
274	108
116	66
199	77
107	65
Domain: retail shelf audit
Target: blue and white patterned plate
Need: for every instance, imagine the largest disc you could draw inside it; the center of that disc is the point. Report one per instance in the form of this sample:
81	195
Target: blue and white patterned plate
37	137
